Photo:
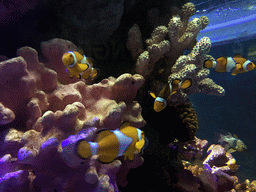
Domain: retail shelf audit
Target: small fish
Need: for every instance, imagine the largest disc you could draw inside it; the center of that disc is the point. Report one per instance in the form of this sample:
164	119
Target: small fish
167	91
232	164
235	65
79	65
231	143
111	144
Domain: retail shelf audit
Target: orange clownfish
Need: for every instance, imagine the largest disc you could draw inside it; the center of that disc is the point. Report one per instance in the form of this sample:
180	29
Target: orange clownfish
168	90
79	65
111	144
235	65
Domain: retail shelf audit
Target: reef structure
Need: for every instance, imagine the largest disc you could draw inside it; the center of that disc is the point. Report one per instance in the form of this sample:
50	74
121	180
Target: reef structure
42	120
214	171
162	61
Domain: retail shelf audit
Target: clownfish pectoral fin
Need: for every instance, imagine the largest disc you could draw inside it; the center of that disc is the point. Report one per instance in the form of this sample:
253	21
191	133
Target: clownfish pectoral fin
130	157
83	66
95	73
236	69
152	94
231	150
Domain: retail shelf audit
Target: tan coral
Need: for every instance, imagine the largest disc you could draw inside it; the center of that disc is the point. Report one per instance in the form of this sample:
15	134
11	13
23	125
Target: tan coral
191	67
181	32
6	115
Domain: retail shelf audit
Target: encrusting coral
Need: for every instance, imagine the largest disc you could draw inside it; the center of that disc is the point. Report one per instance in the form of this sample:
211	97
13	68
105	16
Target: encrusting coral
55	115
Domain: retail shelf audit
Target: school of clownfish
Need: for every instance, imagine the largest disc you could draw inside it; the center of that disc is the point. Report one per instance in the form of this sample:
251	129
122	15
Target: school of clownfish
126	140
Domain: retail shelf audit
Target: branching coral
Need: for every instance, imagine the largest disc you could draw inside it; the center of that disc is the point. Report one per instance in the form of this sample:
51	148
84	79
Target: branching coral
162	62
191	67
181	34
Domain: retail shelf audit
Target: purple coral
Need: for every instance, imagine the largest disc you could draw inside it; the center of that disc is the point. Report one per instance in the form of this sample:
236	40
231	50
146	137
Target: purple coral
41	153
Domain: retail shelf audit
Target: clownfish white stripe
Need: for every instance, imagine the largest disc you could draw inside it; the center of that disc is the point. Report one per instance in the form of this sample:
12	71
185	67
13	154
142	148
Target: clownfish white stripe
83	60
139	134
75	59
230	64
245	64
214	64
123	140
162	100
94	147
170	86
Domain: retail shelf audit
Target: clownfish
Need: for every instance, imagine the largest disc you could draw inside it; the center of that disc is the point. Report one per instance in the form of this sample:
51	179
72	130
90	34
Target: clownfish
235	65
79	65
110	144
167	91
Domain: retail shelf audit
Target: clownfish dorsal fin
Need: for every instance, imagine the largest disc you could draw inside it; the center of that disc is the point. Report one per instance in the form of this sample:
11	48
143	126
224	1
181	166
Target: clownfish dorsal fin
80	51
124	125
235	136
101	133
152	94
238	56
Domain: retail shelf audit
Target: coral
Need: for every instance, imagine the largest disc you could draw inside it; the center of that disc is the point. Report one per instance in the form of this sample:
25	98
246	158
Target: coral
162	62
181	34
6	115
52	52
213	172
189	118
39	147
192	149
191	67
245	186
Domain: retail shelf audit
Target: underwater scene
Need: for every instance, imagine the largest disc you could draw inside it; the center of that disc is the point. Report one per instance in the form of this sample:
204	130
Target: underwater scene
127	95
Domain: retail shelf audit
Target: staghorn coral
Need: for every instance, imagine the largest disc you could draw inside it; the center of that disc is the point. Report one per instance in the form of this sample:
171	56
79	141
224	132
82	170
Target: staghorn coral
181	35
162	62
191	67
38	147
